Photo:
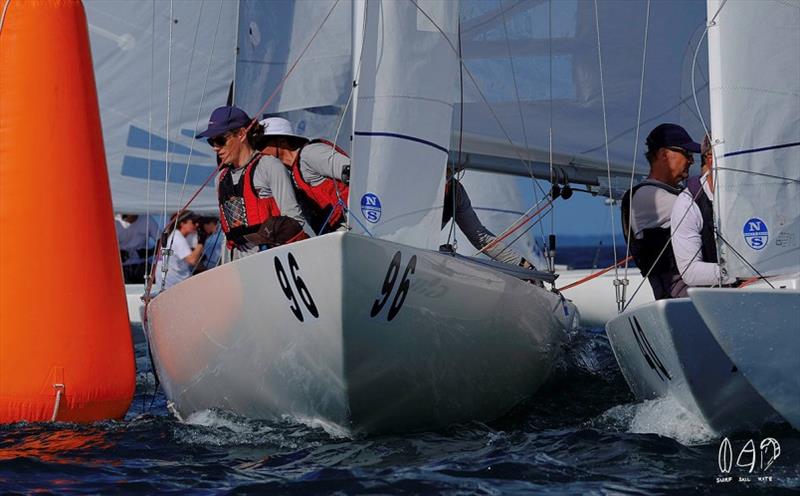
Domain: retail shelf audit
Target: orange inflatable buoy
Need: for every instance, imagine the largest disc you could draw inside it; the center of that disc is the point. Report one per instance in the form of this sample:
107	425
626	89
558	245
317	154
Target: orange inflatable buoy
65	343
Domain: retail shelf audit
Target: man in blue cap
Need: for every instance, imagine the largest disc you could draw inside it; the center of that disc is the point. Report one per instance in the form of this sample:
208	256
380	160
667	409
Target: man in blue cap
646	209
257	204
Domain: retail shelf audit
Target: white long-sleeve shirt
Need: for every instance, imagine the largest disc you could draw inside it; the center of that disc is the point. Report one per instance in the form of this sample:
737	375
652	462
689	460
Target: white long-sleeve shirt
687	240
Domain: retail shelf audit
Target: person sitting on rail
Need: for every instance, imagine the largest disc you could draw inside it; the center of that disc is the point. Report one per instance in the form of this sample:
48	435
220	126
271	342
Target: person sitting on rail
458	205
692	227
647	207
320	171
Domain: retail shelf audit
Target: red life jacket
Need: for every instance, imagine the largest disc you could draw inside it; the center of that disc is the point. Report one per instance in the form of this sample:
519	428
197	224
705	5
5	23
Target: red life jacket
241	211
323	196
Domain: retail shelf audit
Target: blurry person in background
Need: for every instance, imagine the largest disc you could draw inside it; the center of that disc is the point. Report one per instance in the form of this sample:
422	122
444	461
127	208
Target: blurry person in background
185	250
137	236
209	233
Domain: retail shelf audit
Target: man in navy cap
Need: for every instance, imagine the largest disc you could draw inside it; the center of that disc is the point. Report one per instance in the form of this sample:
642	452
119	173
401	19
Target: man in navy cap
258	207
646	209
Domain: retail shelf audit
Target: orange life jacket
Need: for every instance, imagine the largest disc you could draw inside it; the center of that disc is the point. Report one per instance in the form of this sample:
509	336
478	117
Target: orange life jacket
323	196
241	211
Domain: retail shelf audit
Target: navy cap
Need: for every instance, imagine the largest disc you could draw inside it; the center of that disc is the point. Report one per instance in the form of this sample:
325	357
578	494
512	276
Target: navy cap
665	135
224	119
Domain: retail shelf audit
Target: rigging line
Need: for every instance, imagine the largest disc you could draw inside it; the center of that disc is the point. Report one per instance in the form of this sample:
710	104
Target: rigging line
533	224
186	90
199	108
166	149
478	89
550	104
514	226
605	133
451	235
594	275
291	69
169	95
151	265
663	248
771	176
681	102
353	86
519	104
710	23
743	259
638	128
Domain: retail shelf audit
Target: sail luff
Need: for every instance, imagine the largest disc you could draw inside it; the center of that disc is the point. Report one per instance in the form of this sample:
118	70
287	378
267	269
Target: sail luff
754	53
406	90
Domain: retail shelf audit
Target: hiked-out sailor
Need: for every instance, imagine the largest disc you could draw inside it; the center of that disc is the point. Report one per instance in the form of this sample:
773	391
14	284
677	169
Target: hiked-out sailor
257	203
320	171
458	204
692	226
649	204
186	248
137	236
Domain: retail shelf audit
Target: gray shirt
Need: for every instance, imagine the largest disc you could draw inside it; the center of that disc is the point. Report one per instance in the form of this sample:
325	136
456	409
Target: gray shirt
319	161
271	179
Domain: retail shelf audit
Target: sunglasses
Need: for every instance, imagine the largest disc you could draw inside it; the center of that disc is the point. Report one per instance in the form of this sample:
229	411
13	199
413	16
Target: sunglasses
219	141
685	153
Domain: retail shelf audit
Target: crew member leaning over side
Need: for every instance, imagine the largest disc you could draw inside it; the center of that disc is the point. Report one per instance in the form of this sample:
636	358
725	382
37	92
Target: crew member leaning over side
320	171
692	226
257	203
457	204
649	204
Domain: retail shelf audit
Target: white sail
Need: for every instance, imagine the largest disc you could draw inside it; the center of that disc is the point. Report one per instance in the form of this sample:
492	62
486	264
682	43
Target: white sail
754	48
406	89
307	43
143	73
510	131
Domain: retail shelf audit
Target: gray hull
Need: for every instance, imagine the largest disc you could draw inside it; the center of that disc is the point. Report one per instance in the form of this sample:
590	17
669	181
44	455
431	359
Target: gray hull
759	330
665	349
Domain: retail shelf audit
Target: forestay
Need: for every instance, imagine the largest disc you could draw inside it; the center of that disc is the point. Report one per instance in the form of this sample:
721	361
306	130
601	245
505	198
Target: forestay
148	68
407	84
754	48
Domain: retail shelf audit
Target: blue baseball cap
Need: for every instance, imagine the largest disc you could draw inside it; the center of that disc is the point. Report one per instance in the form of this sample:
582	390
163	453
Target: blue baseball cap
666	135
224	119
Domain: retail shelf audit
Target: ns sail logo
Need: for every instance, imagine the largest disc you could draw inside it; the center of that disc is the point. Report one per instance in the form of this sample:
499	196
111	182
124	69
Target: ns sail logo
746	463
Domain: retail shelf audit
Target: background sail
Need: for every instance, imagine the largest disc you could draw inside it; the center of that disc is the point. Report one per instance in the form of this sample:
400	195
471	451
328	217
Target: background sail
558	40
406	88
130	50
272	37
755	100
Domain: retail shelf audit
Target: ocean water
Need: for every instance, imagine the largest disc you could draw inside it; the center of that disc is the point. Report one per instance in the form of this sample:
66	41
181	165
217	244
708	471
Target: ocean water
583	434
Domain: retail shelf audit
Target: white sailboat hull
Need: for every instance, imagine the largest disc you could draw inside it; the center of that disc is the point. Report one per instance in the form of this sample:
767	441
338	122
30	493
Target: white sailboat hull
465	342
759	329
664	349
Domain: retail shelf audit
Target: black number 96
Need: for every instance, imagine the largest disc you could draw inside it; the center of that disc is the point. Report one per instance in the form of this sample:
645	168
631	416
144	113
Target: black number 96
388	286
302	289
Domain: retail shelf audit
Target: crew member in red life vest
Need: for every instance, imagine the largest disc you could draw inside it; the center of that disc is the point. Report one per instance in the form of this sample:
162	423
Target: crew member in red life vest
257	203
320	171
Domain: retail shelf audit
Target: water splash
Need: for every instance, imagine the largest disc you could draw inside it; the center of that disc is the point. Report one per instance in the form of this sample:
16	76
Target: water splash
662	416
